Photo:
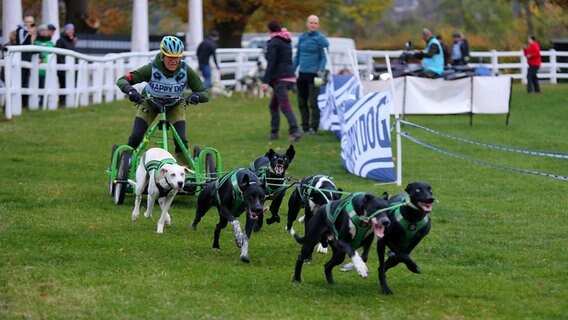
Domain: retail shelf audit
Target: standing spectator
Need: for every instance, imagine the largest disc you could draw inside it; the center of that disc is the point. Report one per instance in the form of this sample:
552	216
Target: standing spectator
25	35
445	50
460	50
207	49
51	30
67	40
311	60
532	52
279	74
43	39
432	56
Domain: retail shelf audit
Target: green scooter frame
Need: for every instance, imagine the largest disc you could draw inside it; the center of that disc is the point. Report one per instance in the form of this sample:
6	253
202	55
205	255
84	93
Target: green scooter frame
204	164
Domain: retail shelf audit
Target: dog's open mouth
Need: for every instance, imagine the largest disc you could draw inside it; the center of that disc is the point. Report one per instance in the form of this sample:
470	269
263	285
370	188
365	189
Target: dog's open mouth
426	207
378	228
253	215
279	169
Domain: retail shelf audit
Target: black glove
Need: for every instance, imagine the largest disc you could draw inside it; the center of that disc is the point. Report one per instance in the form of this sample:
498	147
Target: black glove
193	98
133	94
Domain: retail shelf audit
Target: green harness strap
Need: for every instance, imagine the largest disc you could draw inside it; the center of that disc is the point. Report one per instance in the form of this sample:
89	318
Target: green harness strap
410	229
270	190
309	188
156	165
362	225
237	193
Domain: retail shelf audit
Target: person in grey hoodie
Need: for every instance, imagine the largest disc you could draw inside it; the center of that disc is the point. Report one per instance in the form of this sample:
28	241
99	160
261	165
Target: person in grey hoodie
311	60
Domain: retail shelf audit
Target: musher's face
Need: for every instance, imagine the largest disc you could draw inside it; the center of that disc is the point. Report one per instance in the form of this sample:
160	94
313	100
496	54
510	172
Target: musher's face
171	63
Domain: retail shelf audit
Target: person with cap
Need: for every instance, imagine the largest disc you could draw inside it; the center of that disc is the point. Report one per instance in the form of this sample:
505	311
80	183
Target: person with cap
532	53
167	76
68	41
432	56
207	49
279	74
51	29
43	39
460	50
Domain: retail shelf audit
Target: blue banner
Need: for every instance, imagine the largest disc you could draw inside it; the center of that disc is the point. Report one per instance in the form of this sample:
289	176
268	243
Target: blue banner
339	90
365	137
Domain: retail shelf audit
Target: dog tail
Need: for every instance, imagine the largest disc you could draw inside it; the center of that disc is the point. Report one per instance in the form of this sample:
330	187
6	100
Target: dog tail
132	183
296	236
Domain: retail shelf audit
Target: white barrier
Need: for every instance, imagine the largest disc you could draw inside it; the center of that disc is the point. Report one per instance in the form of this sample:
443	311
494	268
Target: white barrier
91	79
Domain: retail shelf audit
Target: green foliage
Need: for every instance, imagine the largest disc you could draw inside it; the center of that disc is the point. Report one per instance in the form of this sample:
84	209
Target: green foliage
497	249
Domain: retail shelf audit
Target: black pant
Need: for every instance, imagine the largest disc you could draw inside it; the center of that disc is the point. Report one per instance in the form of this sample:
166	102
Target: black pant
532	80
308	101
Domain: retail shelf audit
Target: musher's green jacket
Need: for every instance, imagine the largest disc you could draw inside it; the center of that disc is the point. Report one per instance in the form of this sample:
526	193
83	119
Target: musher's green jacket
144	73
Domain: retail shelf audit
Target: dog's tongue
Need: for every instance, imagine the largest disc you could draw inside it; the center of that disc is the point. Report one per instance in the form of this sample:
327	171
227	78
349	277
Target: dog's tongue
426	207
378	228
279	169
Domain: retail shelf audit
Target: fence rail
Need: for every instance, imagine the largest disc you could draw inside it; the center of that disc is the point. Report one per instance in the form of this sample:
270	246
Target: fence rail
91	79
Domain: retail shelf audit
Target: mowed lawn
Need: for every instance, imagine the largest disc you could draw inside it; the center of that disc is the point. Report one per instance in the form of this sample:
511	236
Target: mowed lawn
497	249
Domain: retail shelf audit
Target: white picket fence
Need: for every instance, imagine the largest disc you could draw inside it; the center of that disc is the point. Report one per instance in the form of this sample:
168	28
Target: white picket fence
92	79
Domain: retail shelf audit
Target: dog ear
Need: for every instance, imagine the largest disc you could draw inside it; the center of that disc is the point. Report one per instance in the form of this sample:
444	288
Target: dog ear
290	153
188	170
410	187
386	195
270	153
368	198
245	181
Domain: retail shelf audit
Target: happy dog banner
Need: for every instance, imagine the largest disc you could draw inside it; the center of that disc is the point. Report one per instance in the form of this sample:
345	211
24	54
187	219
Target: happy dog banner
365	137
339	90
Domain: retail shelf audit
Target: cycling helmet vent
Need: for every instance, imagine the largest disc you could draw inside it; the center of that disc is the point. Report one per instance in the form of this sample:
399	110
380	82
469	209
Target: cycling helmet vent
171	46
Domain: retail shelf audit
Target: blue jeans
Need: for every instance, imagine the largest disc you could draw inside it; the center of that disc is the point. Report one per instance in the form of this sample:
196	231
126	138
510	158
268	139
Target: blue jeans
206	72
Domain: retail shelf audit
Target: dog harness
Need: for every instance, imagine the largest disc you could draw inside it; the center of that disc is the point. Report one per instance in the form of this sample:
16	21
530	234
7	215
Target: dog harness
156	165
306	189
271	190
410	228
237	192
362	225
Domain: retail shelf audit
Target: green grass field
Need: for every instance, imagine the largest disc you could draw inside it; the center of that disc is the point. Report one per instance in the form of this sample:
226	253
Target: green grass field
497	249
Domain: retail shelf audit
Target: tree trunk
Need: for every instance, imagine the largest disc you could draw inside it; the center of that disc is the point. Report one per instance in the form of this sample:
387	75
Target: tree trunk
231	34
77	13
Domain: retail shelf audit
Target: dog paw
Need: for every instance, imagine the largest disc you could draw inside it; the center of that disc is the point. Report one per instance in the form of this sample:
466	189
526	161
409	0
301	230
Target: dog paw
147	214
348	267
160	229
413	267
193	226
274	218
321	249
301	219
135	215
361	266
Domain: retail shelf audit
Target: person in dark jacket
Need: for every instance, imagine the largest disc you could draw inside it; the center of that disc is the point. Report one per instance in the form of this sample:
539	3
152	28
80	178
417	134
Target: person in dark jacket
207	49
67	40
460	50
279	74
